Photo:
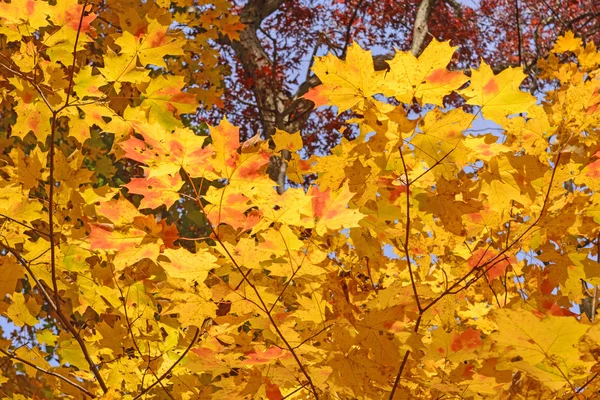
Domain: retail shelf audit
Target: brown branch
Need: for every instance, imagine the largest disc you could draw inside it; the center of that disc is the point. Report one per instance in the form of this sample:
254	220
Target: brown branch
479	270
65	322
23	224
313	335
167	372
25	264
264	308
438	162
518	28
51	180
294	272
515	241
72	71
135	341
591	16
51	213
349	28
584	386
421	27
51	373
412	279
492	289
371	277
595	298
456	7
291	393
404	361
30	81
407	235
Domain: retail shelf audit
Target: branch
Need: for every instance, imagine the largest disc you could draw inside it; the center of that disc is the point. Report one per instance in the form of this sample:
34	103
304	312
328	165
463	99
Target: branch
52	373
404	361
23	224
420	28
407	235
456	7
56	303
478	270
135	342
584	386
64	321
264	308
349	28
518	27
72	71
167	372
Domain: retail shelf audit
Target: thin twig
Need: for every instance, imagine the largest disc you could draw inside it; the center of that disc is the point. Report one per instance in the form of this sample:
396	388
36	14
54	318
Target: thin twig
135	341
72	71
370	277
265	308
595	298
52	373
57	299
349	28
313	336
478	270
584	386
518	27
407	235
515	241
167	372
23	224
404	361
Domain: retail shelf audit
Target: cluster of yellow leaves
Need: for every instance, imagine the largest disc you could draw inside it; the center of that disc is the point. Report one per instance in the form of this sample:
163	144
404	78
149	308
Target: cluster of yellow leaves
425	260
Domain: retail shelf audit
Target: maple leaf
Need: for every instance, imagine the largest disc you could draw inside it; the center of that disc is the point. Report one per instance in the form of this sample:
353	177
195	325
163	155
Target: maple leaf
567	42
19	311
498	95
547	347
426	78
167	152
163	98
349	83
495	265
25	12
152	46
330	209
156	191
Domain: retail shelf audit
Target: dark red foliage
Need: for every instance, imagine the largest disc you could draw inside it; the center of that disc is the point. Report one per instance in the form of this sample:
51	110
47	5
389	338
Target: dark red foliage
502	32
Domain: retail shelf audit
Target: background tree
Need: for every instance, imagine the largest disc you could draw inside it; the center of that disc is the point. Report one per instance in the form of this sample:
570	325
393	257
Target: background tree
272	58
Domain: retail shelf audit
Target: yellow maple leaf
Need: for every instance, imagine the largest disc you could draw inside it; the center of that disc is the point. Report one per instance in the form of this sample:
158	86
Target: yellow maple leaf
287	141
567	42
425	78
330	209
484	147
498	95
153	46
188	266
19	311
547	346
351	82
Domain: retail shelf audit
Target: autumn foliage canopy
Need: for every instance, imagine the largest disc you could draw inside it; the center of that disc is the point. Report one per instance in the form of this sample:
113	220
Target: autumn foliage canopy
146	255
